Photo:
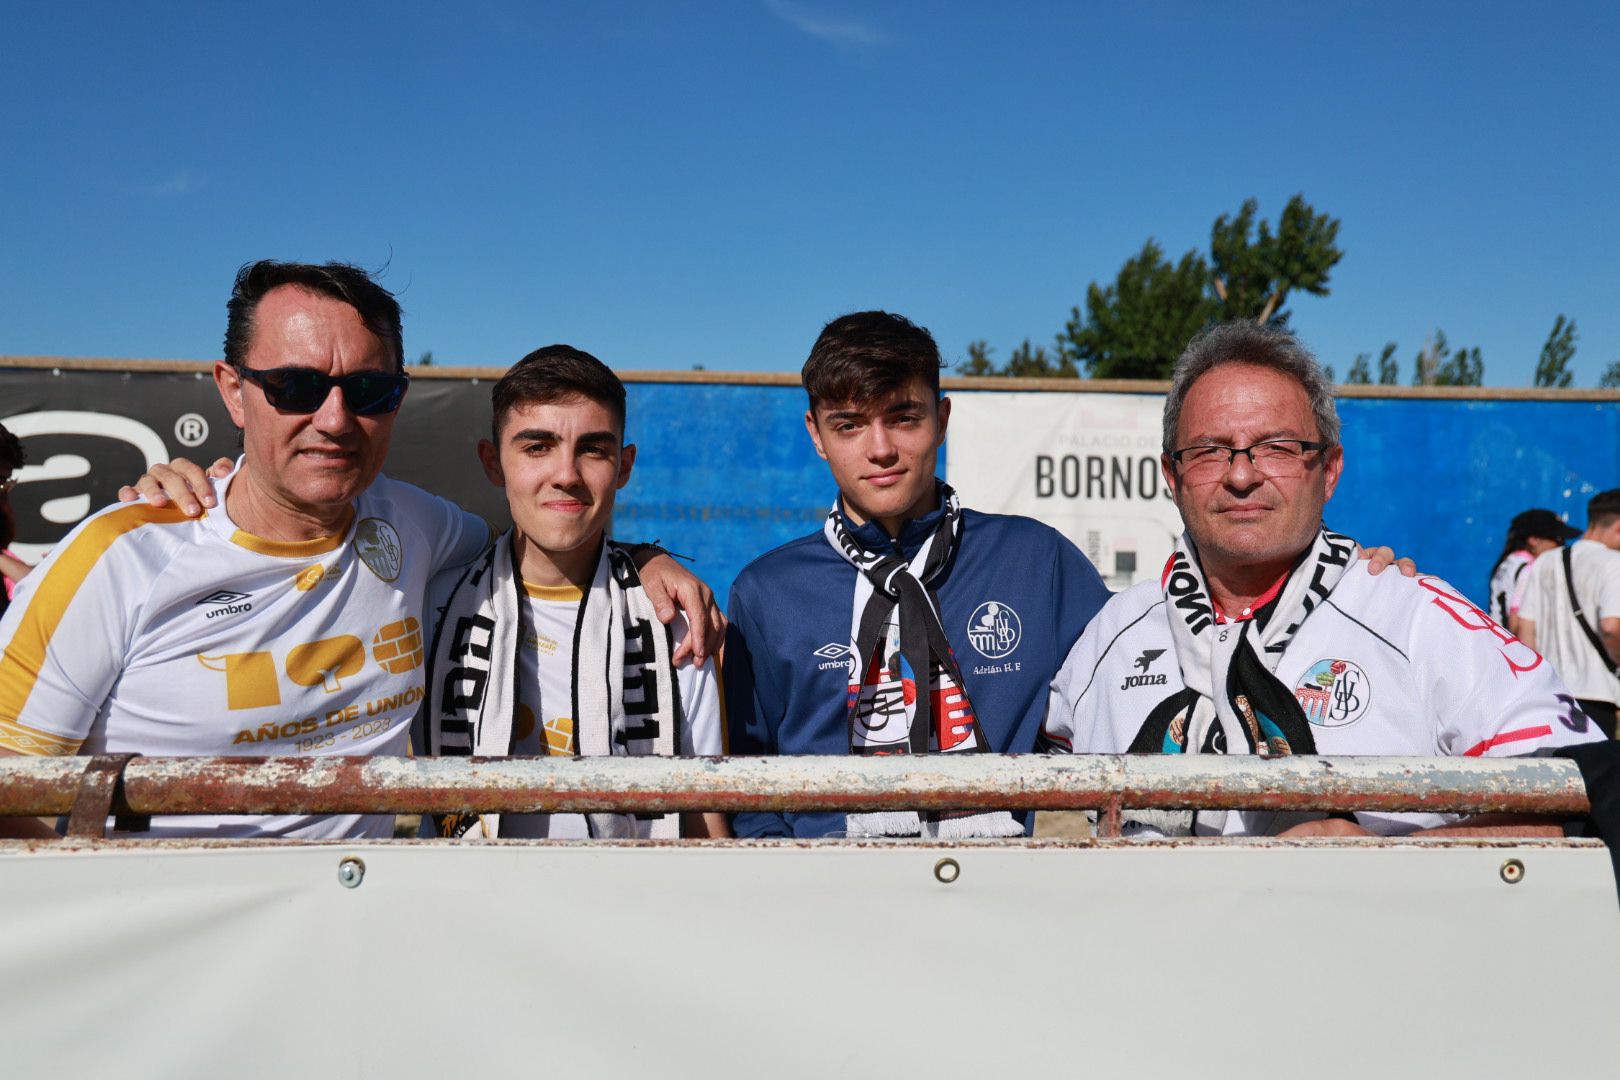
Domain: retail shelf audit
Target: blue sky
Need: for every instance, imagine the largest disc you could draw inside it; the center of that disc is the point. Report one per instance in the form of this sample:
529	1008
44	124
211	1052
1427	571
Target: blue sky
672	184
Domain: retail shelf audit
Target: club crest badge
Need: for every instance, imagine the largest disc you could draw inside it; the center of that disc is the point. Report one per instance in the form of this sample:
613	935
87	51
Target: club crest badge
378	546
1334	693
994	629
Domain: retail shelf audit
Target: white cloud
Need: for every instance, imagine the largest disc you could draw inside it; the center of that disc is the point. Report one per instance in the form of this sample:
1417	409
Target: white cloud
839	30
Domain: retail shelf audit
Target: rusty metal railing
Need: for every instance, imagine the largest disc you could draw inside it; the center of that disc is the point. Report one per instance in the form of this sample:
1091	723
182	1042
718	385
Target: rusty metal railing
90	788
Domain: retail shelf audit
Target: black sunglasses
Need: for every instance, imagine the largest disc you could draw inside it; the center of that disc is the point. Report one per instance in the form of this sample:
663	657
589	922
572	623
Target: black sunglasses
303	390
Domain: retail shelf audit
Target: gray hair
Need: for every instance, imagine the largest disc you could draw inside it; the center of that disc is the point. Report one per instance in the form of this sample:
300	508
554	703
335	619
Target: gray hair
1251	343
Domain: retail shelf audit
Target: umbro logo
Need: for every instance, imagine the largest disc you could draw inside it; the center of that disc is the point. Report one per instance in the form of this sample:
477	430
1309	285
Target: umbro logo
834	654
226	602
1145	661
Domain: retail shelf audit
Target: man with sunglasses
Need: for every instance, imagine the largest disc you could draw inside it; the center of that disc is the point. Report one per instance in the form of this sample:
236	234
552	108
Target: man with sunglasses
1265	636
287	620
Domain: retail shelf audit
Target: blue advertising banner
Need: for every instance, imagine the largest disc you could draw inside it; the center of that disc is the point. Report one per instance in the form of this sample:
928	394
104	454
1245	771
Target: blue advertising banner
725	470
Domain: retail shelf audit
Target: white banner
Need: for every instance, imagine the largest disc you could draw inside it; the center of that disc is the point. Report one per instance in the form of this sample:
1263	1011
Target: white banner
817	960
1085	464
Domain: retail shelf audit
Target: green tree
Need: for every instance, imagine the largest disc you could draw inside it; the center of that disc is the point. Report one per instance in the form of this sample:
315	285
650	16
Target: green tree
1028	360
425	360
1437	365
1610	379
1256	268
1389	372
1389	368
978	360
1136	327
1552	369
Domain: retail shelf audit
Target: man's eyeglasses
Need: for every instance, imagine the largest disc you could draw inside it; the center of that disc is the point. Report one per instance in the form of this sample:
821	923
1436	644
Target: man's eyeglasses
1274	457
7	484
303	390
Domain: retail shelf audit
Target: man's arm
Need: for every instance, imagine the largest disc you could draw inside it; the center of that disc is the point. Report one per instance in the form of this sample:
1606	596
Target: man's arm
13	569
1609	632
1524	629
669	586
185	485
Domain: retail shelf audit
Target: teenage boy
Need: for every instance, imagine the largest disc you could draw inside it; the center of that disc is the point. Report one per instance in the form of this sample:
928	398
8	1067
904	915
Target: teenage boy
547	643
907	624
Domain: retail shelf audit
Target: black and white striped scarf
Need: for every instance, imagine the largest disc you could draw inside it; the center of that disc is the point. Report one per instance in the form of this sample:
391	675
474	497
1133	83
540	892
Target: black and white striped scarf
1231	691
895	632
625	698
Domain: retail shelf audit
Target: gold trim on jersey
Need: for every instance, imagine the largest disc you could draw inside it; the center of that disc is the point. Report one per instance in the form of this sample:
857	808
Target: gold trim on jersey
293	549
26	652
26	740
554	592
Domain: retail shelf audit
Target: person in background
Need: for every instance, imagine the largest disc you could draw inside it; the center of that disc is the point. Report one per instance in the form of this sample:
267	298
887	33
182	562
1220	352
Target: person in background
1529	534
1571	610
12	569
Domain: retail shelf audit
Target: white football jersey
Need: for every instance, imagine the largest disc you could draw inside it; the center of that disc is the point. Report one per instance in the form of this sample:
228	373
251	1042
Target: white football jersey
1387	665
149	632
544	723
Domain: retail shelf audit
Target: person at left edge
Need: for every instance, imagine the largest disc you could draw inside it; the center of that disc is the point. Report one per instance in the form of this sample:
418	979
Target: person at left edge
285	621
12	569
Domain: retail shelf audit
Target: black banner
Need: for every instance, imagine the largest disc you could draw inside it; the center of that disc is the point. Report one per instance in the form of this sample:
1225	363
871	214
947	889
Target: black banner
89	432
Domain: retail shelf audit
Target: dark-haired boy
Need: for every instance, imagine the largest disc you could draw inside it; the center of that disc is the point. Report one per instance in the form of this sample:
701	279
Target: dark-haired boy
830	632
547	644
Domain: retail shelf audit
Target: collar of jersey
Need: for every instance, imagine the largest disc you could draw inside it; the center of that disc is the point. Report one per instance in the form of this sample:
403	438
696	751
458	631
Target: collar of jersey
281	549
913	534
554	592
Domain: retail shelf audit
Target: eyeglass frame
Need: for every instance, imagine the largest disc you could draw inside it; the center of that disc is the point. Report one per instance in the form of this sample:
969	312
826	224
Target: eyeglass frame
8	485
1306	446
257	377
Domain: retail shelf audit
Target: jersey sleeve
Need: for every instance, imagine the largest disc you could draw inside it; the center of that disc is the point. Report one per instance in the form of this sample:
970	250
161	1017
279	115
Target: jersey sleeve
704	734
752	729
455	534
64	639
1079	594
1073	702
1521	579
1488	692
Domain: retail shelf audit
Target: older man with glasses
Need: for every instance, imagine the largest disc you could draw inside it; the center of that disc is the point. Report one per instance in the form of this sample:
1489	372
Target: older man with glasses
287	620
1265	636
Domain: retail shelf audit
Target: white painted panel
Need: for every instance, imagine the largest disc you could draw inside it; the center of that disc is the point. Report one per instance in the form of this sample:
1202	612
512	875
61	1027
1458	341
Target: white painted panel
1200	959
1085	464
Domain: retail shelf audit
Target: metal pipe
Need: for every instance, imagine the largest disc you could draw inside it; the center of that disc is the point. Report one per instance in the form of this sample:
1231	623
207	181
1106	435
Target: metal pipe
30	785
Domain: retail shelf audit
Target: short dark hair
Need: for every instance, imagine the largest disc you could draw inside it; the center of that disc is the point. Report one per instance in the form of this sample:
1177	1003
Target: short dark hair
556	373
1251	343
1603	508
868	355
12	454
376	305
